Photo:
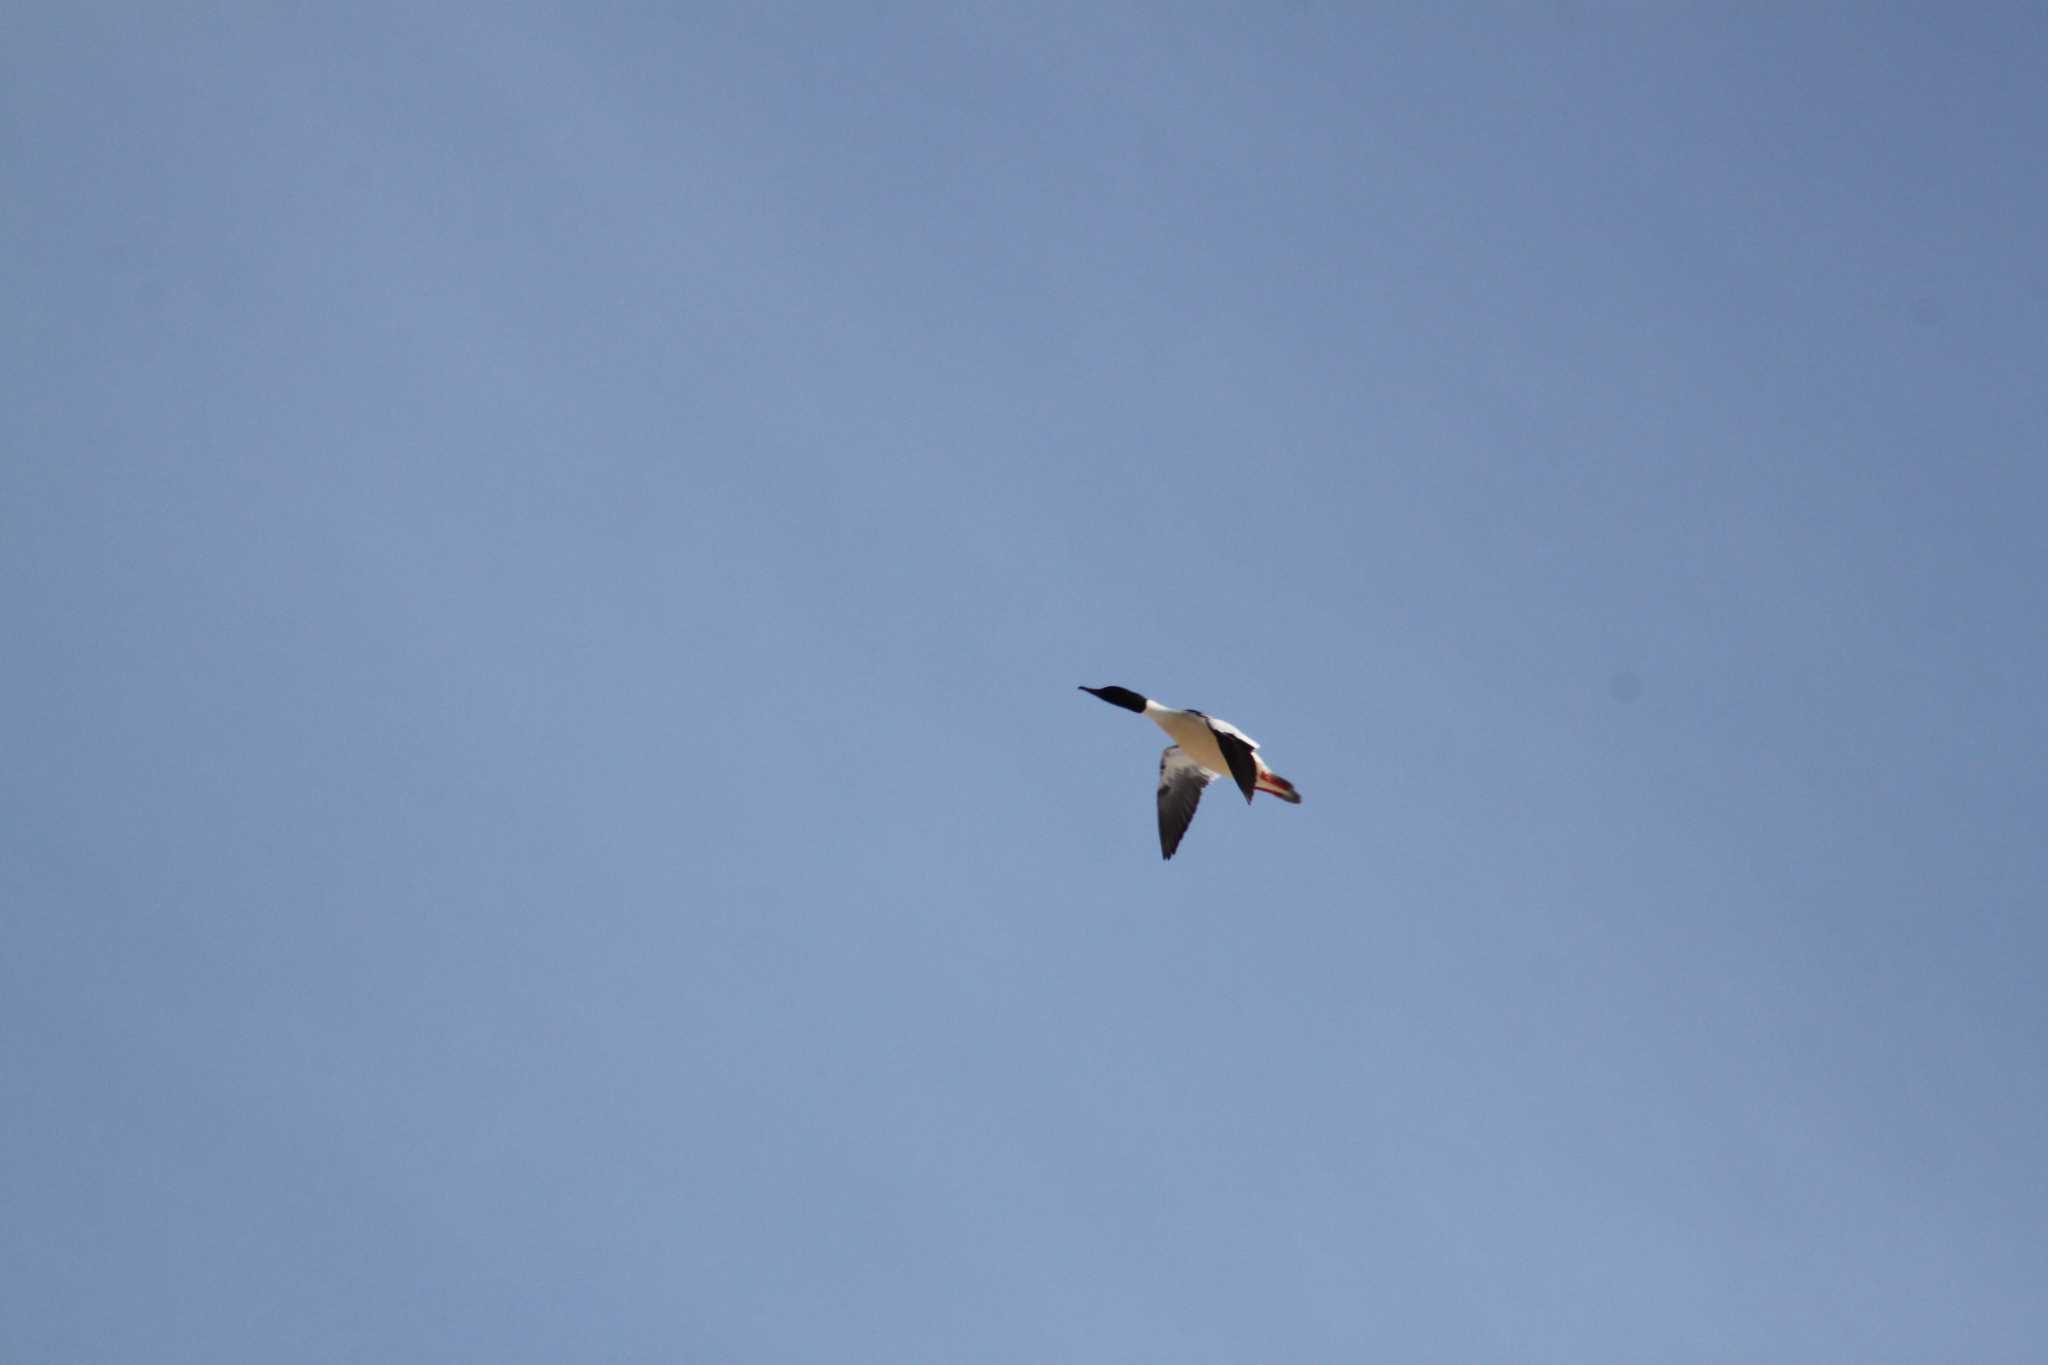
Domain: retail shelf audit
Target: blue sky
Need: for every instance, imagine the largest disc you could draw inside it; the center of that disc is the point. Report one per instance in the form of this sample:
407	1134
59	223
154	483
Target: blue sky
547	553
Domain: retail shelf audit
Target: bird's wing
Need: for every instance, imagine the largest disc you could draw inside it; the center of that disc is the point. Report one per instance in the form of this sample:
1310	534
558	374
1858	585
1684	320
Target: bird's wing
1181	780
1237	749
1224	727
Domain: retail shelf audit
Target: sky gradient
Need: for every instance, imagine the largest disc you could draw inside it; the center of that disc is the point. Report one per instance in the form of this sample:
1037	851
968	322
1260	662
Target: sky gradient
547	552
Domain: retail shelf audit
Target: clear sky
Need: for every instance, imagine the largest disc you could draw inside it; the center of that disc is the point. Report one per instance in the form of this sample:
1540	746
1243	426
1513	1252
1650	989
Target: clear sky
546	552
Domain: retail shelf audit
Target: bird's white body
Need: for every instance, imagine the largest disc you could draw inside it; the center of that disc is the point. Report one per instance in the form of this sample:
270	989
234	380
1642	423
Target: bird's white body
1195	733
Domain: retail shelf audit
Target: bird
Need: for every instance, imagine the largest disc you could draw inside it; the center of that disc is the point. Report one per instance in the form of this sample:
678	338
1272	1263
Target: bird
1203	749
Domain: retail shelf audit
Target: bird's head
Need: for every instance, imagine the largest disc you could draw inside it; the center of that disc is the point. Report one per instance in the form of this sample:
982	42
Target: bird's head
1119	696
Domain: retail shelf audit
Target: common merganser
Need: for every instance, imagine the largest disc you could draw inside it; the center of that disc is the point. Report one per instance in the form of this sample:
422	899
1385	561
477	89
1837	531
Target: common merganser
1203	749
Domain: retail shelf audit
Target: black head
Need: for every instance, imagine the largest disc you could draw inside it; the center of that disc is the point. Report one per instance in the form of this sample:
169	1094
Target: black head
1119	696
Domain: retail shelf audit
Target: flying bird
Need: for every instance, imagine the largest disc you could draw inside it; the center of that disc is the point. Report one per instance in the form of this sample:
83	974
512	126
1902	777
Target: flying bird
1203	749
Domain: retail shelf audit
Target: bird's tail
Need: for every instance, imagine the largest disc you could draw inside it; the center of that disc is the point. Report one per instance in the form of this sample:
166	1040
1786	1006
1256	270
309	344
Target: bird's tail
1272	784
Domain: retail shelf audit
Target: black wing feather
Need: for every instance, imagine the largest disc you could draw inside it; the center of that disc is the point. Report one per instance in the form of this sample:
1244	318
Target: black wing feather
1238	753
1180	790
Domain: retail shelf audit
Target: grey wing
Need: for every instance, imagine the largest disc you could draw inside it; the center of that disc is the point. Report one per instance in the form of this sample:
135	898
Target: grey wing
1237	751
1181	780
